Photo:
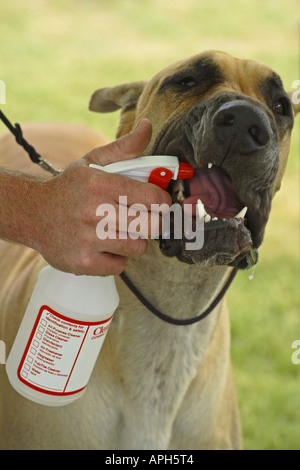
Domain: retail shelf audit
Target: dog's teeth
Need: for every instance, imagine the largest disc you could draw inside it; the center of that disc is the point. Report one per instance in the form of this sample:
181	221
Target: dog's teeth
214	218
210	165
242	213
178	191
180	196
178	186
202	212
201	209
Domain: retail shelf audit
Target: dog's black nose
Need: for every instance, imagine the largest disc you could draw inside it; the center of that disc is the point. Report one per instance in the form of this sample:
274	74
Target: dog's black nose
241	126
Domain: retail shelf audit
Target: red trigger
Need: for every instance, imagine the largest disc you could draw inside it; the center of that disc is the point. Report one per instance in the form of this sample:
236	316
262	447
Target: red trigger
160	177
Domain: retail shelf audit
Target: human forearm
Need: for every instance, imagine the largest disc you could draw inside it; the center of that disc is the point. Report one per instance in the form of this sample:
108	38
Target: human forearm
18	206
58	216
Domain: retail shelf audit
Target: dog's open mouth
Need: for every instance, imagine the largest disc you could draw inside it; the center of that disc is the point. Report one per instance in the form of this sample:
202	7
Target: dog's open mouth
227	239
209	194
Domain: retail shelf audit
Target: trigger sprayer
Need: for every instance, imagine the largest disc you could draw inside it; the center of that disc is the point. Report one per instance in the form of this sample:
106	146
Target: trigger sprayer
68	316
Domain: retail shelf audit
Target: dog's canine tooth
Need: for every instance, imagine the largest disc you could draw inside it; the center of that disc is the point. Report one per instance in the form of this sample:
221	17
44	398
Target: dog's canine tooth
202	212
214	218
242	213
210	165
201	209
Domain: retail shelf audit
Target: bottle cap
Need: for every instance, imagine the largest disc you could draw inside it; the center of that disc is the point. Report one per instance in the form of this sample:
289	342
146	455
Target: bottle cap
185	171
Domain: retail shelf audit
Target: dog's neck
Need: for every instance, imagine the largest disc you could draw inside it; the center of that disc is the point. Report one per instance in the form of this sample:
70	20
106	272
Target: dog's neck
136	338
199	285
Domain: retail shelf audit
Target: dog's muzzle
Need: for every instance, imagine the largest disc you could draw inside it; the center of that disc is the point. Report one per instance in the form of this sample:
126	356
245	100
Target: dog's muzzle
234	146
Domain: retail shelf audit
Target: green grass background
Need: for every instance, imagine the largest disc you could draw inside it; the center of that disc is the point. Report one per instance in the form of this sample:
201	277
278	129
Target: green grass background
55	53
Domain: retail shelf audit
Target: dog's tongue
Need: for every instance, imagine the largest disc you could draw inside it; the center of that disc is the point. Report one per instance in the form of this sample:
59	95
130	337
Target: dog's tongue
216	192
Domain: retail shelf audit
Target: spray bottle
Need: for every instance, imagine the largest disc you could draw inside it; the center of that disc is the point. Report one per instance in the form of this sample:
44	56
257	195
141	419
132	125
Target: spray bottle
68	316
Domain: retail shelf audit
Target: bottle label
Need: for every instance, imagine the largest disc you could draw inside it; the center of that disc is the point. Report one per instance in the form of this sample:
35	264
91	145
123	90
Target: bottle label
61	353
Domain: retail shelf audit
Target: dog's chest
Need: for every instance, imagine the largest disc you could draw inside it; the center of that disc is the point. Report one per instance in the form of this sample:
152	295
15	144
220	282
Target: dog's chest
142	381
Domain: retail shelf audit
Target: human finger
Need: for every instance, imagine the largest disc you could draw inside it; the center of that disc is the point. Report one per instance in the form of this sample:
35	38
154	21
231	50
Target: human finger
128	146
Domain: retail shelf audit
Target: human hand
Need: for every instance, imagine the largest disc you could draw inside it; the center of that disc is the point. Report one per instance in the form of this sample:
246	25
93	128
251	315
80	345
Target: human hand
65	232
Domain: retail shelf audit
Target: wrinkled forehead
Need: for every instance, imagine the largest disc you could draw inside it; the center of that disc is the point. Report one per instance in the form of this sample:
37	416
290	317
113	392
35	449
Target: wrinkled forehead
244	76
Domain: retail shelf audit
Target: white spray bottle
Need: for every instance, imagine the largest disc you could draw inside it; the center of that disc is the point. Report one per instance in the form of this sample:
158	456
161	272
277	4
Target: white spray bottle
68	316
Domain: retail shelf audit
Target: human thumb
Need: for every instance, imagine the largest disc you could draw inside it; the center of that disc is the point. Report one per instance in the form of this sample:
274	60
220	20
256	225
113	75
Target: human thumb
128	146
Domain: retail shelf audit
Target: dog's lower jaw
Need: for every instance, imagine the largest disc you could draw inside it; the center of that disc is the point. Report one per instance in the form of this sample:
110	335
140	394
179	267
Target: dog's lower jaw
226	243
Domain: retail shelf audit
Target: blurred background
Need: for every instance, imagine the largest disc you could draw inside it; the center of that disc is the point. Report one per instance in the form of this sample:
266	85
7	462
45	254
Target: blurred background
55	53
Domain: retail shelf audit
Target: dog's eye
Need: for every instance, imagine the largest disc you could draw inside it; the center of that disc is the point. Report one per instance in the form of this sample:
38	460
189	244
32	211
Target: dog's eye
188	82
279	107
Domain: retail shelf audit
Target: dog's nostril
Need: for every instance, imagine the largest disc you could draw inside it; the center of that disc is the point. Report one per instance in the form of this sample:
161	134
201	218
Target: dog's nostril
254	132
259	135
225	119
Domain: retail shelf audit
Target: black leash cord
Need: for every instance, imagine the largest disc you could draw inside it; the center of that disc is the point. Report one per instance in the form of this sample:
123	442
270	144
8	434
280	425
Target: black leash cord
34	156
175	321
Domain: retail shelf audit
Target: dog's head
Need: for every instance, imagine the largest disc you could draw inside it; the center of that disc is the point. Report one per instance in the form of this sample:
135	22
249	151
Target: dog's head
231	119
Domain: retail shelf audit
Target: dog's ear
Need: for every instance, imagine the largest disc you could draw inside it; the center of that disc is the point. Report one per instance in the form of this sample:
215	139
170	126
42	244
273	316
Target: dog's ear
295	98
124	97
106	100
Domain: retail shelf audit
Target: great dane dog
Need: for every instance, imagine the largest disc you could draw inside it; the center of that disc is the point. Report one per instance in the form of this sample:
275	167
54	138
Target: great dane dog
158	385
